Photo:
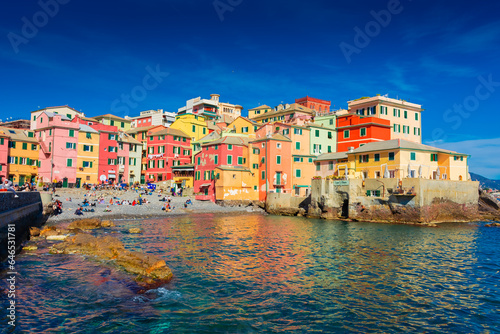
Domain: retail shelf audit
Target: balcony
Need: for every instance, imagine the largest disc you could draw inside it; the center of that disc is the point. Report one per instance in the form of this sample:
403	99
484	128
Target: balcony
121	168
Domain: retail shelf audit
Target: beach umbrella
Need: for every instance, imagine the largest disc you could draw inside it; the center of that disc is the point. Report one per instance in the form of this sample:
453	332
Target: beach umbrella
409	170
386	172
420	171
346	172
438	174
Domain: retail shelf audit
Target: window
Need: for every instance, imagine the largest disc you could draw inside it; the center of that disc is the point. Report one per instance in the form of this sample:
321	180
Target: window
112	123
71	133
391	156
112	149
88	135
413	156
364	158
69	162
71	145
329	149
434	157
204	130
278	159
330	165
362	132
318	167
346	133
372	110
240	161
297	173
122	124
25	146
34	117
12	144
2	141
216	159
229	159
88	148
278	145
33	147
244	129
286	131
263	175
193	128
376	157
297	145
383	110
317	133
297	131
406	113
229	147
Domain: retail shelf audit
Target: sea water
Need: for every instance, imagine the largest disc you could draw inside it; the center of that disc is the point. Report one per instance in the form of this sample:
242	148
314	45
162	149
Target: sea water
253	273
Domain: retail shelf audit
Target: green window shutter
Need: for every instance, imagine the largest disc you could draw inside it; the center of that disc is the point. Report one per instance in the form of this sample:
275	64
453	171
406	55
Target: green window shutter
25	146
297	173
416	116
112	122
1	141
28	161
122	124
317	133
297	145
91	164
263	175
71	133
278	159
216	159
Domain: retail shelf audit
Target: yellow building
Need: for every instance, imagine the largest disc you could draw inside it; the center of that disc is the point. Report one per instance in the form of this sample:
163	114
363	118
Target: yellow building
243	126
183	176
87	155
22	160
236	183
399	158
259	111
194	126
121	123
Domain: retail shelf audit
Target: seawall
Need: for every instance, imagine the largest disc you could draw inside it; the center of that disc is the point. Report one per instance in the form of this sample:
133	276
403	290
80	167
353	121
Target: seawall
22	212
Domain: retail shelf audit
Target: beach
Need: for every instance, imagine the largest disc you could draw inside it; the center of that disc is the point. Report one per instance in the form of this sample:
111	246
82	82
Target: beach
73	198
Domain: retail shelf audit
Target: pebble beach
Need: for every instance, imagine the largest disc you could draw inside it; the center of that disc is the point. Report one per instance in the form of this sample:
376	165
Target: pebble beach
73	198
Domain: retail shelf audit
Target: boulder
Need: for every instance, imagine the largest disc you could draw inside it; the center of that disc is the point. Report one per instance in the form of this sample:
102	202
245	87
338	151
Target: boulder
34	231
330	213
85	224
134	230
107	223
149	269
51	230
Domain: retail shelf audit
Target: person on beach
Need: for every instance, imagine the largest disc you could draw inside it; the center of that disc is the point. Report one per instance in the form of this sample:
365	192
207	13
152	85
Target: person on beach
79	212
107	209
7	184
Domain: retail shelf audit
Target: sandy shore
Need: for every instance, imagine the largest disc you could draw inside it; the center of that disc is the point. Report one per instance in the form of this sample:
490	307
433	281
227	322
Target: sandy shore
72	198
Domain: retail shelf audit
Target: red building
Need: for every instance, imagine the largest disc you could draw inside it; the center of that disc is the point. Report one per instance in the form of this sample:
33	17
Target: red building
166	147
227	151
354	130
108	152
320	106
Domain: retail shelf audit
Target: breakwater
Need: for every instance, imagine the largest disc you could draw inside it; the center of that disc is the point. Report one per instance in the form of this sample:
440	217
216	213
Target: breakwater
17	215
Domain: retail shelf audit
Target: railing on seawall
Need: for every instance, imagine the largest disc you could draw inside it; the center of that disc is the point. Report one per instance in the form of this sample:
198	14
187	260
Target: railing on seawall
17	215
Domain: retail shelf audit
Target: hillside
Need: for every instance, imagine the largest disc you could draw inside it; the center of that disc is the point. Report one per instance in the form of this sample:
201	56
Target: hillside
485	182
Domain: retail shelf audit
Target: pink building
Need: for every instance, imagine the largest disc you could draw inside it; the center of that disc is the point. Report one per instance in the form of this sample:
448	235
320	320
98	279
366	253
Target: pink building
108	152
58	138
4	154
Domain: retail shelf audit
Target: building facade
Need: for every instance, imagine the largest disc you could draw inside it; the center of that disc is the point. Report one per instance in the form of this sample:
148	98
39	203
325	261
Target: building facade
87	159
318	105
355	130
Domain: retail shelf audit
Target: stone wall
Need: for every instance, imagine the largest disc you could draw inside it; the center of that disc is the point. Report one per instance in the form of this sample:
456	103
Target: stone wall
286	204
24	212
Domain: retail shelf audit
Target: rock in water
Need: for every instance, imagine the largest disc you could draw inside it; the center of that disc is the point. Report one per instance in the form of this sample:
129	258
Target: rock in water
107	223
85	224
150	270
34	231
134	230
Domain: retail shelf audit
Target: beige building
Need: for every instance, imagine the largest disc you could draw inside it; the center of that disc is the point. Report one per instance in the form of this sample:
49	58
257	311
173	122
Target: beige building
69	112
405	117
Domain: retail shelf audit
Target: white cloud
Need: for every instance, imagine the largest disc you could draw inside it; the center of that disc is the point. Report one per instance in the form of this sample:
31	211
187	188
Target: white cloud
485	155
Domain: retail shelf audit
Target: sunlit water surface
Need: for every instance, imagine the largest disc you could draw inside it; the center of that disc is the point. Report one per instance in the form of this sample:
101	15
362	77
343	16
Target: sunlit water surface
254	273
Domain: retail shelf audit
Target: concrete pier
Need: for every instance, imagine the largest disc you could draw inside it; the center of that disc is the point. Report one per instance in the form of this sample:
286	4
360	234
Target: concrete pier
21	213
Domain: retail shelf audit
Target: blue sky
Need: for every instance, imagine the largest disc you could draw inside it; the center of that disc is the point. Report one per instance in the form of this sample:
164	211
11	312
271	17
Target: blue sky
89	54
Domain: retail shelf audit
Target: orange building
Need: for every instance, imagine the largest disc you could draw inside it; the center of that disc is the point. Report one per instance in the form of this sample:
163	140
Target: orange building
353	131
320	106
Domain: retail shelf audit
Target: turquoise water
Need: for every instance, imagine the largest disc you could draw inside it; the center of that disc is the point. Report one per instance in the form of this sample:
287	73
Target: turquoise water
253	273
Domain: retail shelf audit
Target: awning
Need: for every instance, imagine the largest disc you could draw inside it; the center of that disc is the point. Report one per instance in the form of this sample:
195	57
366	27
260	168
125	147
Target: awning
205	185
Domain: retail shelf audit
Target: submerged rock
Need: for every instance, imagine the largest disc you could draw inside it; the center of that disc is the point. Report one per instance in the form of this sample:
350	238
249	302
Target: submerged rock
150	270
107	223
134	230
86	224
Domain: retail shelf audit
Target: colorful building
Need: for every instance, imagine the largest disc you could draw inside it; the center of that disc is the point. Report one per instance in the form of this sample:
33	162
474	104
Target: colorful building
58	139
191	124
399	158
227	152
235	183
355	130
121	124
332	164
22	155
323	139
129	158
166	147
152	118
293	114
108	152
275	164
405	117
183	176
4	155
66	111
87	159
259	111
319	106
242	126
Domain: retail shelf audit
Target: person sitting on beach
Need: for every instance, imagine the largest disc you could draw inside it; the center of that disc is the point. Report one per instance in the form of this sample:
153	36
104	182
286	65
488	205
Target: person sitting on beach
78	211
107	209
134	203
189	201
57	207
86	202
169	199
7	184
